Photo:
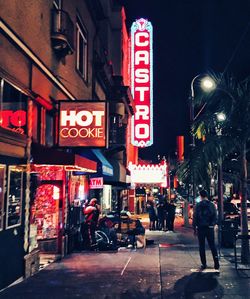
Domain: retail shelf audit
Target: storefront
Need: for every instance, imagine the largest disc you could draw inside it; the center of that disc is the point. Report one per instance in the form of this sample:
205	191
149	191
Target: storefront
58	190
119	185
13	178
99	188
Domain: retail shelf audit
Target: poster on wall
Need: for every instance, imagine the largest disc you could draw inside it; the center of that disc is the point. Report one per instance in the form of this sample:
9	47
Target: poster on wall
83	123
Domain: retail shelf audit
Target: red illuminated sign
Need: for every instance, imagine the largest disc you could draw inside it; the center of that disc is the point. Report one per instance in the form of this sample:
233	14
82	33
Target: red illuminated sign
96	183
14	120
82	124
142	82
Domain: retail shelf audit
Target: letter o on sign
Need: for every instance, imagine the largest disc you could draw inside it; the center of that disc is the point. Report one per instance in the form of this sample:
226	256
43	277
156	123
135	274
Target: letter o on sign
142	131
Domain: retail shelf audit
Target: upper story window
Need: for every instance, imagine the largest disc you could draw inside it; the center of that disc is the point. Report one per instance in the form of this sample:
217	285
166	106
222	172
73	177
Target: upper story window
13	108
49	129
36	121
14	197
81	49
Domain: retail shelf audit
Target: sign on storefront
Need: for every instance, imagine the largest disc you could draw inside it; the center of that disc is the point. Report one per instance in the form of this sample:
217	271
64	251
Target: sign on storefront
96	183
83	123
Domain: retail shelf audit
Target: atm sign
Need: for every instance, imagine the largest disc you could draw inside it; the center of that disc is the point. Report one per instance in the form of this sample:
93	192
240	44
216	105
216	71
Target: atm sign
96	183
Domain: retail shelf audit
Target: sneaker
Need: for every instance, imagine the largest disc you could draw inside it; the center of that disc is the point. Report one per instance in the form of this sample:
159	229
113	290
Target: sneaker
203	267
130	246
217	267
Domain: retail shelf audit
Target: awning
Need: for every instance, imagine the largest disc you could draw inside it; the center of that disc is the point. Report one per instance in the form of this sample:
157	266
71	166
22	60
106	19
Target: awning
119	176
71	162
103	166
107	168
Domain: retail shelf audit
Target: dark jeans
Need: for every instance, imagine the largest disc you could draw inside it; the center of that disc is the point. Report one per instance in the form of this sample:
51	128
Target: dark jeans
170	222
203	234
160	223
88	234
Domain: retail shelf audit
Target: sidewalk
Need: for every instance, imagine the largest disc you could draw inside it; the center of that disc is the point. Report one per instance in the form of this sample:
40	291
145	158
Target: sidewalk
162	270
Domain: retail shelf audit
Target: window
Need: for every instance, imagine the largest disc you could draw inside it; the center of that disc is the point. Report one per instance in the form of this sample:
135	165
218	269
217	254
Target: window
49	130
14	197
13	108
36	120
81	49
2	183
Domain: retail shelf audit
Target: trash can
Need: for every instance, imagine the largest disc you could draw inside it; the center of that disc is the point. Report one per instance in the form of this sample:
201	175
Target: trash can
229	229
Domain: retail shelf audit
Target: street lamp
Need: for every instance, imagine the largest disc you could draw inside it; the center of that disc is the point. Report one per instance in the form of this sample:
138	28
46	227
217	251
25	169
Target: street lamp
220	116
207	84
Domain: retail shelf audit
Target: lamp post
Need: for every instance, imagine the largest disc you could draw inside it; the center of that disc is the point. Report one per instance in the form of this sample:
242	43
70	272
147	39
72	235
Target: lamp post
207	84
220	118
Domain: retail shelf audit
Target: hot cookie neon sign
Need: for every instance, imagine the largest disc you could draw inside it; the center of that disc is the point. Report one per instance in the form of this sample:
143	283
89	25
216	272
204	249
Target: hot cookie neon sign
82	123
142	82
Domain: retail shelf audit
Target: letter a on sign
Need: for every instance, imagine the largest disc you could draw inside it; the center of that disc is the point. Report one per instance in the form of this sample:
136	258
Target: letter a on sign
142	82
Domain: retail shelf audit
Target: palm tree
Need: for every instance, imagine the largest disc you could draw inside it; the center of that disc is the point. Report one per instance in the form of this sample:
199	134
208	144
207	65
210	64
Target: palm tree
232	98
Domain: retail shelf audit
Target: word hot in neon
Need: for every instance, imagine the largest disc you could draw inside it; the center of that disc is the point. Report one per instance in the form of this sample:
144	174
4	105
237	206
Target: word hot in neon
82	124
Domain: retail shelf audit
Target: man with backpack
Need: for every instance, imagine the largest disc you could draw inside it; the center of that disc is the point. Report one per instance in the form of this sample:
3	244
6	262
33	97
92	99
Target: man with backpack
204	220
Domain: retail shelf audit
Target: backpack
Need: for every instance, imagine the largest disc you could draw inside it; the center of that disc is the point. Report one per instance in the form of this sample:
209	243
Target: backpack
205	214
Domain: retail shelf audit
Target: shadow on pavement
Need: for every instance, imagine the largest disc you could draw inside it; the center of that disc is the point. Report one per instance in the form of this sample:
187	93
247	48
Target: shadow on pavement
190	286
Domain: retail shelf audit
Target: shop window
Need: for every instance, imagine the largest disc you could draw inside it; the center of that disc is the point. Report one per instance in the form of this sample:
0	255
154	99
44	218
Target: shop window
13	108
44	211
2	183
14	196
81	49
78	189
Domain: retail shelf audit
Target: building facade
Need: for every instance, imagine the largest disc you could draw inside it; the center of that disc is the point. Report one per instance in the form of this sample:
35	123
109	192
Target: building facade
56	51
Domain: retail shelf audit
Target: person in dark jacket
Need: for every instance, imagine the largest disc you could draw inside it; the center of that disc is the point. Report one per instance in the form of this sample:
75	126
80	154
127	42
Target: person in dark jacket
171	208
204	220
160	213
152	215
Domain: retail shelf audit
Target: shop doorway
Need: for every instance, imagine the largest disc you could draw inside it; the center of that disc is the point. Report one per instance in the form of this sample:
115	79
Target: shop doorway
47	214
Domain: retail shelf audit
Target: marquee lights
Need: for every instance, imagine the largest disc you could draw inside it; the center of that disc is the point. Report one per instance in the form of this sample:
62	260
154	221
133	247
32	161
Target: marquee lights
149	174
142	82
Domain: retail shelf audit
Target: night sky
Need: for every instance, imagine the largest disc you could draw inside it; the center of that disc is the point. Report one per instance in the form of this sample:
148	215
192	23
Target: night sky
190	37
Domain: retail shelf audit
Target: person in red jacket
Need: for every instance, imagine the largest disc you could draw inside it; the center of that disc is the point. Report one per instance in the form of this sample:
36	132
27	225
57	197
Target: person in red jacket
91	213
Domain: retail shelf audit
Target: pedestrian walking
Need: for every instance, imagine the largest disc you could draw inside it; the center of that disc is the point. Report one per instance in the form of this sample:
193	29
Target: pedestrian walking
91	212
171	207
152	215
160	213
204	220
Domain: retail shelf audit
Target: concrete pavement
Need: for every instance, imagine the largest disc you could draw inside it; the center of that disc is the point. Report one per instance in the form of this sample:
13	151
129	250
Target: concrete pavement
165	269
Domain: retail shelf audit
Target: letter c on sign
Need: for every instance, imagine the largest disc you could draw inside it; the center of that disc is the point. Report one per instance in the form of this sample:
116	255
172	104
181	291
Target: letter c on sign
139	39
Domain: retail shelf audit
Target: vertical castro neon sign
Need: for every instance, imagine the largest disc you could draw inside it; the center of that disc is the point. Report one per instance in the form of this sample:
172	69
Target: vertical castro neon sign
142	82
